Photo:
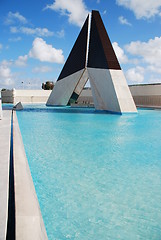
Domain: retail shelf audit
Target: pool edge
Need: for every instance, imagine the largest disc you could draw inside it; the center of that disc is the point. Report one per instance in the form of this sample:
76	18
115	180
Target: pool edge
29	221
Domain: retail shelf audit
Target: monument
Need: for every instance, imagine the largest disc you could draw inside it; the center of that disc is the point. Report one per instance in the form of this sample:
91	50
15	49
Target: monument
93	58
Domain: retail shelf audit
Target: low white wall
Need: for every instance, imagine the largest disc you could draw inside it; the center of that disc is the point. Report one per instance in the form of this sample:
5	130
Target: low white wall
145	90
146	95
25	96
31	96
85	97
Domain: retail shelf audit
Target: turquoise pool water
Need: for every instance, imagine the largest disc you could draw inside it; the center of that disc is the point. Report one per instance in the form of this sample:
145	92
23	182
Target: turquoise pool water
97	176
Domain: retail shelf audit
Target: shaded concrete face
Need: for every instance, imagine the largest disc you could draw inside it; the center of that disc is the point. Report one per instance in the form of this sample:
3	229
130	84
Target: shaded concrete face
109	88
64	89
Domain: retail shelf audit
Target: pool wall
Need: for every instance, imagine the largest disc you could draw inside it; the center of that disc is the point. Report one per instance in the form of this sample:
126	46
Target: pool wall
29	222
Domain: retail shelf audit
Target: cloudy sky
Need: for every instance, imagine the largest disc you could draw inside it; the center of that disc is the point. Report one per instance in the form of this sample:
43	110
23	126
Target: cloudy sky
35	39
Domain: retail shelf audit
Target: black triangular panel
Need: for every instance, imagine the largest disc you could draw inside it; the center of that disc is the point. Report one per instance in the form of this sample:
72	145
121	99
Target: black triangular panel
101	53
77	57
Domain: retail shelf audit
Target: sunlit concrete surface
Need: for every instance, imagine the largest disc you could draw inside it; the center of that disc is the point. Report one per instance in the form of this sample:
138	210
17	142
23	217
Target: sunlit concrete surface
5	131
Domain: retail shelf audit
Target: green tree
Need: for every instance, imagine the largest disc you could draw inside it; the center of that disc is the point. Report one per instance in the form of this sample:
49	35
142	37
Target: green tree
48	85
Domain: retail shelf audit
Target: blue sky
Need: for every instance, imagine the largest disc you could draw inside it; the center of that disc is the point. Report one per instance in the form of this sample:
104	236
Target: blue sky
37	36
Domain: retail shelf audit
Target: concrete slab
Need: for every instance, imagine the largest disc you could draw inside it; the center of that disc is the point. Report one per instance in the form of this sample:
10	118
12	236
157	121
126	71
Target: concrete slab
1	115
5	131
29	222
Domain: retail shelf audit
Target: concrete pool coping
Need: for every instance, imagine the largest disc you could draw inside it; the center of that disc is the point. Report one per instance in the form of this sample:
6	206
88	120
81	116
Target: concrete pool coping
29	222
5	133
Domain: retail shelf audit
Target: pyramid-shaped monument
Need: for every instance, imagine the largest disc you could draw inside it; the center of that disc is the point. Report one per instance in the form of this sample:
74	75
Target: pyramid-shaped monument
93	58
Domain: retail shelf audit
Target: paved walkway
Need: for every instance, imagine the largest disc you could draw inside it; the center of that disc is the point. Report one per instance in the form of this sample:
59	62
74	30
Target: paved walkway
5	131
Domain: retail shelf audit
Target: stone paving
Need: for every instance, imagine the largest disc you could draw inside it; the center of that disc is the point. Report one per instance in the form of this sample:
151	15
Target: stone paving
5	131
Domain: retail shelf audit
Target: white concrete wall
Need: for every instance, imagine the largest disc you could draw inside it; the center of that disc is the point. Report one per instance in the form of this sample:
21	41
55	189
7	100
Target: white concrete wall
25	96
148	95
85	97
86	92
143	95
31	96
146	90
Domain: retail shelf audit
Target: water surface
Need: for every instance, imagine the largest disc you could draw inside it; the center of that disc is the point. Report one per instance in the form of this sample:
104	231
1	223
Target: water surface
97	176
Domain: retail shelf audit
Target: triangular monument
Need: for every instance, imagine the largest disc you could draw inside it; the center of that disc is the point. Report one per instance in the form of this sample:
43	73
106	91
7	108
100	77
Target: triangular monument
92	57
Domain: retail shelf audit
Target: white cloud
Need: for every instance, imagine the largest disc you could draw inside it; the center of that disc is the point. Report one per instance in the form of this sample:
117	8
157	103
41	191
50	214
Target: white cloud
124	21
6	63
60	33
13	29
5	75
135	75
104	12
14	17
42	69
41	32
142	8
76	10
154	79
45	53
154	69
21	61
17	39
119	53
150	51
1	46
